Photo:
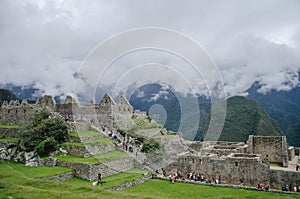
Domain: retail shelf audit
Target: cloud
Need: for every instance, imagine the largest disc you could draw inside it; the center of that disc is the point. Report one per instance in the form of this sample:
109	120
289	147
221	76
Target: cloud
44	43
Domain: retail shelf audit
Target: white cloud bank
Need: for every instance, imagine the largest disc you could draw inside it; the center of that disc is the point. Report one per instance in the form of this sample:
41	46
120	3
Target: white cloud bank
44	42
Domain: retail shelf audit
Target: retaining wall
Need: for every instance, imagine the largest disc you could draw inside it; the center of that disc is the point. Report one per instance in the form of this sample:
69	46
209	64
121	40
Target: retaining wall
90	171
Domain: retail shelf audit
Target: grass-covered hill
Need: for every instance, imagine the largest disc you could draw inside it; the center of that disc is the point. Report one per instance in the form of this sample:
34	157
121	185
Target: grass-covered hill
293	134
284	107
246	117
6	95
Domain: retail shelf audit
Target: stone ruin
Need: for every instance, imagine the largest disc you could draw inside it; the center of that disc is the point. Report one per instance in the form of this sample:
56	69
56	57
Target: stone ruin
227	161
263	159
104	113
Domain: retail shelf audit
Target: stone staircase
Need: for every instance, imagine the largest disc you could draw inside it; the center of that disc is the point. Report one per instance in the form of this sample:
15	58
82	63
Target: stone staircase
139	157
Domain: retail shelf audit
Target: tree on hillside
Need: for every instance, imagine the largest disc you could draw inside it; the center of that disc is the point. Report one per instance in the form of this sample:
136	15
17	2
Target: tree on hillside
44	134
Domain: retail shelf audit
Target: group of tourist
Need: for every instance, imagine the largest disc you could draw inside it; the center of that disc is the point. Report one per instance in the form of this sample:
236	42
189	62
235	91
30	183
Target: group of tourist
290	187
177	176
261	186
126	145
113	136
68	118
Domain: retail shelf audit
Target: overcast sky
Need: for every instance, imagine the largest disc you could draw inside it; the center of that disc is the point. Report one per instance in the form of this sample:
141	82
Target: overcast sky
44	43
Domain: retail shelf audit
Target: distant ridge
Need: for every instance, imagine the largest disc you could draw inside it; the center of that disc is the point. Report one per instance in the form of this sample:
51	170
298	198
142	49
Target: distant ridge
7	95
246	117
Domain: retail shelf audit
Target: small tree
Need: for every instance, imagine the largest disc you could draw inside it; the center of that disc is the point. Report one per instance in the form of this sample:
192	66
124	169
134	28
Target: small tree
150	145
153	150
44	134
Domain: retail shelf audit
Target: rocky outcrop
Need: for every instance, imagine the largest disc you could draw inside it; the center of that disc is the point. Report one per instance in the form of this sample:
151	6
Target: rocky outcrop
31	159
9	151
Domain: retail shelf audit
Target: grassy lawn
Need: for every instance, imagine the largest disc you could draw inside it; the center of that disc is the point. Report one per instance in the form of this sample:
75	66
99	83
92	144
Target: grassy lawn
20	170
111	181
112	156
163	189
86	134
275	164
123	177
14	183
94	142
163	136
9	139
69	158
9	126
94	159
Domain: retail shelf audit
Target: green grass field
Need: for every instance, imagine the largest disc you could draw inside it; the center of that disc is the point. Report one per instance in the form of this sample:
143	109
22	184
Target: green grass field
9	126
9	139
18	181
94	142
94	159
86	134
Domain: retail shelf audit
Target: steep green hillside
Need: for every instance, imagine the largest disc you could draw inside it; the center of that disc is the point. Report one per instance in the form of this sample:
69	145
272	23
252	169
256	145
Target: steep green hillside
293	134
283	106
6	95
246	117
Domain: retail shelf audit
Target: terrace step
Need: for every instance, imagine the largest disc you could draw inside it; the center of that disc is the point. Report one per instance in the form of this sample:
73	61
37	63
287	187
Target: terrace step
88	168
86	136
87	149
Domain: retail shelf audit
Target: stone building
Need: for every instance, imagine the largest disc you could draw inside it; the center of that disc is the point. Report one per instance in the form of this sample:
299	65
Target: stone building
273	149
232	161
106	112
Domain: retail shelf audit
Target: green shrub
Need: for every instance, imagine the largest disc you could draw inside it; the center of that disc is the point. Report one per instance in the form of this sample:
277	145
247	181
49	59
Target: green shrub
46	146
44	134
150	145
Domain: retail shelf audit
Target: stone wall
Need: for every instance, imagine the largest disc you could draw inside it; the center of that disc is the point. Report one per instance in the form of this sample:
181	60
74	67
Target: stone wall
280	178
173	146
89	150
67	109
130	184
272	148
104	113
291	153
90	171
61	177
148	133
229	169
10	132
17	114
86	138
